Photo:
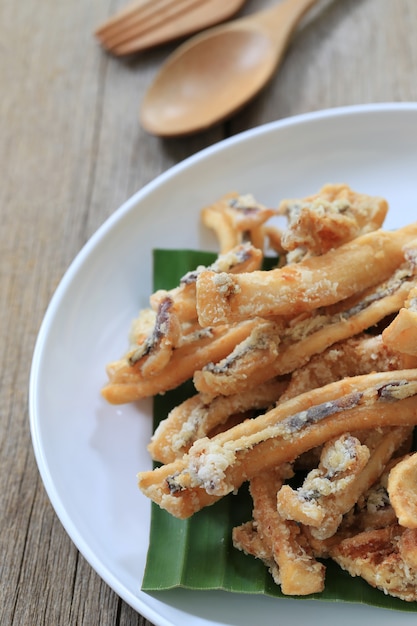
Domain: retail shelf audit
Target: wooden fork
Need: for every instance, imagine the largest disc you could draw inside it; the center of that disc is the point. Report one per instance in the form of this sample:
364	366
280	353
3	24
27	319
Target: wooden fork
146	23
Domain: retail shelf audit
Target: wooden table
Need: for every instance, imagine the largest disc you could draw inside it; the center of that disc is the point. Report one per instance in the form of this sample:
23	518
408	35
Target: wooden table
71	152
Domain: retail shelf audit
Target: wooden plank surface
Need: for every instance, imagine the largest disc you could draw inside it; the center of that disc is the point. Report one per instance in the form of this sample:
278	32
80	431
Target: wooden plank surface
71	152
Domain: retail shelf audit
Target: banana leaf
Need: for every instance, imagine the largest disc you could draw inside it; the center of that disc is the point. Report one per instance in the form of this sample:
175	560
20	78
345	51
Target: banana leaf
178	548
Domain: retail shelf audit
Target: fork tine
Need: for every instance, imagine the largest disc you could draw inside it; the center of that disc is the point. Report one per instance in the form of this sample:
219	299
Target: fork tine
139	27
137	19
136	8
133	8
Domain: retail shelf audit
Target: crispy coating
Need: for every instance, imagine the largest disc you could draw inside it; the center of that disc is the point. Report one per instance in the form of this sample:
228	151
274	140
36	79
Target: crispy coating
196	418
127	382
242	258
310	334
256	354
326	220
402	490
165	336
246	539
220	465
288	376
357	355
385	558
346	471
234	218
317	502
401	334
301	287
298	572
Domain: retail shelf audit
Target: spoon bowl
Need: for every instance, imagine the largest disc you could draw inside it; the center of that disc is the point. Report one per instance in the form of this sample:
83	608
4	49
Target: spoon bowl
216	73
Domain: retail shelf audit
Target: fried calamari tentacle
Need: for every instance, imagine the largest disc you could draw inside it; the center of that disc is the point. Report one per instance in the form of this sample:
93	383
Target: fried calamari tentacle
361	354
341	461
171	325
297	573
246	539
346	471
235	216
273	235
127	382
258	352
242	258
402	490
385	558
156	351
195	418
220	465
373	508
401	334
408	548
141	328
332	217
308	335
184	297
300	287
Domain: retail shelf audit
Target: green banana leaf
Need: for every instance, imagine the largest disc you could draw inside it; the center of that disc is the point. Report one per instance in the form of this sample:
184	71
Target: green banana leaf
177	548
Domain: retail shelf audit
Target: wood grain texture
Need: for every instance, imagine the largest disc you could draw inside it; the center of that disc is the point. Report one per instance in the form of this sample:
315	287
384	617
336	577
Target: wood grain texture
71	152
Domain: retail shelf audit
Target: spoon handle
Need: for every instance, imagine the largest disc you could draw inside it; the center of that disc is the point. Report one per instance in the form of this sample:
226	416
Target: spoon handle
282	20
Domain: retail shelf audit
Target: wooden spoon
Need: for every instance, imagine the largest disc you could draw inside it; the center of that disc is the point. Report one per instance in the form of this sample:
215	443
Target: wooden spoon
216	72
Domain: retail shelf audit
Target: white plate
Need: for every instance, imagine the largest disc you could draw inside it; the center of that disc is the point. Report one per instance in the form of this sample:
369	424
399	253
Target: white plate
88	452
